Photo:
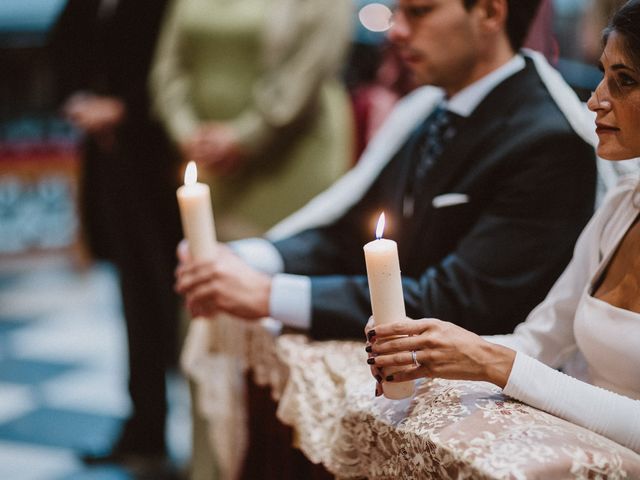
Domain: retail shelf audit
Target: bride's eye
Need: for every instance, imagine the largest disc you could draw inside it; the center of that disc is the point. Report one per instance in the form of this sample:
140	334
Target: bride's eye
625	80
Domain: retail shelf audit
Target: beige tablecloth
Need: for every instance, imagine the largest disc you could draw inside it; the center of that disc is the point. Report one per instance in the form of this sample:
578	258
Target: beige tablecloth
449	429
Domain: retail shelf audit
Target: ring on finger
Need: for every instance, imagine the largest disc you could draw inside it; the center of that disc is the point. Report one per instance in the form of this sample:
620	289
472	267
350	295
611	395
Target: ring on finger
414	357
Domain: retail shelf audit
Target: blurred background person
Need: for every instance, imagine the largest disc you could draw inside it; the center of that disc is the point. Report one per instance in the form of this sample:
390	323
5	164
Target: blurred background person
541	37
594	20
577	28
103	50
374	75
249	90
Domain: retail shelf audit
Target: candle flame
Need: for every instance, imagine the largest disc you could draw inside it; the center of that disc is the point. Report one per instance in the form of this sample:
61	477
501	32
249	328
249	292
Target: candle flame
191	173
380	227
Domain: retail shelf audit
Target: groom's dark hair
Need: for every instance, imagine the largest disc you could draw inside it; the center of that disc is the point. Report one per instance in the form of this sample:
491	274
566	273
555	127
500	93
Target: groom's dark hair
520	15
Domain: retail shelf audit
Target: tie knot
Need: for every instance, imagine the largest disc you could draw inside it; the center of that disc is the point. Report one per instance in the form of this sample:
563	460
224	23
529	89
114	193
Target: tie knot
440	113
442	122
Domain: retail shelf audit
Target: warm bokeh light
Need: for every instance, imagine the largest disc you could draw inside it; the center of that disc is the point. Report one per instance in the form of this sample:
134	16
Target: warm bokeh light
191	173
375	17
380	227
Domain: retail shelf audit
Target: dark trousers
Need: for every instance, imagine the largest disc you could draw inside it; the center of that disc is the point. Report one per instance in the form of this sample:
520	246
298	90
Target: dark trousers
131	219
270	455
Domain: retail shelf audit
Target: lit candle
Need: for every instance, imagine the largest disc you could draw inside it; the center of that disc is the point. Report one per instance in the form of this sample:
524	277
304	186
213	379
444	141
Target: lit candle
385	289
194	199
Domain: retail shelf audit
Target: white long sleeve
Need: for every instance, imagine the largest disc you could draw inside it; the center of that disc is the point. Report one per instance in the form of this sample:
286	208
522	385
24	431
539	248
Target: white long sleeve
614	416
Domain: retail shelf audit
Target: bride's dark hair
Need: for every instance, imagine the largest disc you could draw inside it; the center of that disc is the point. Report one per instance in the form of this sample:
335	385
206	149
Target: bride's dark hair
626	22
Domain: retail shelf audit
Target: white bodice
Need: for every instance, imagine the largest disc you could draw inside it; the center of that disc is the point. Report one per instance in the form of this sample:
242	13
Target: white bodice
609	339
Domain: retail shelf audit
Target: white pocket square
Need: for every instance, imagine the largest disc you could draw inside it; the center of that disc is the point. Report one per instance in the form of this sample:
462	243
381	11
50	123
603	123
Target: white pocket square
449	199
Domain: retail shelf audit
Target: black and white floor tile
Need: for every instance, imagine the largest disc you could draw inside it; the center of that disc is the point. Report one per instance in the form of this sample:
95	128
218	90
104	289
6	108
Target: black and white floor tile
63	373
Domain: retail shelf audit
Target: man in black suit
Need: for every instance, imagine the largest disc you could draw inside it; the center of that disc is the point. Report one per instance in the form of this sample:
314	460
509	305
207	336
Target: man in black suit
485	198
102	51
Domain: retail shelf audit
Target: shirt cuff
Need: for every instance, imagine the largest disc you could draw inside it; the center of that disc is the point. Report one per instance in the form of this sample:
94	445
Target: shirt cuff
260	254
290	300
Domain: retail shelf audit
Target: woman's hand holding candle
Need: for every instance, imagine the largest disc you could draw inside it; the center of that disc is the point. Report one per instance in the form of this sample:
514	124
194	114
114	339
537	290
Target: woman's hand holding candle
385	288
442	350
402	350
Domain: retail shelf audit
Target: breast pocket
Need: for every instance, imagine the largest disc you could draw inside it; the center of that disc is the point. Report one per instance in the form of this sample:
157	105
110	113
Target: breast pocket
449	200
451	217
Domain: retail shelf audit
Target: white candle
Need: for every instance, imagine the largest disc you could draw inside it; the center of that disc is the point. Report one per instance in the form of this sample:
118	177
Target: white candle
385	289
194	199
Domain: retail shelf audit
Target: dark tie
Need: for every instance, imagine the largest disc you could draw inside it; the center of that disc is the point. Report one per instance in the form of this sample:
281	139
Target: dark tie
436	131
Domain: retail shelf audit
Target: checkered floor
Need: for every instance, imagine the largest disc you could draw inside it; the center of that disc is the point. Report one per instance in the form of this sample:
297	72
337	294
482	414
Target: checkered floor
63	373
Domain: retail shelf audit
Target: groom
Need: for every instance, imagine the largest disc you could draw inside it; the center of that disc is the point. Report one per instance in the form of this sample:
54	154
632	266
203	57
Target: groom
484	181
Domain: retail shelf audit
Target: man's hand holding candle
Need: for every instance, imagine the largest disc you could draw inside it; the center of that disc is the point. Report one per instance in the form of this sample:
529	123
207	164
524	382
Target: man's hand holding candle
209	275
225	284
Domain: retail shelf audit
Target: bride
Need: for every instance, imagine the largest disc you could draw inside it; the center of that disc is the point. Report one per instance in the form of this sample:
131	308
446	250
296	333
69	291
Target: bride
594	307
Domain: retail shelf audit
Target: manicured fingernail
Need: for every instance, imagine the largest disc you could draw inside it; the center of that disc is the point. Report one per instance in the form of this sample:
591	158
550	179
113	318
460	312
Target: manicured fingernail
389	378
371	361
378	378
368	349
371	334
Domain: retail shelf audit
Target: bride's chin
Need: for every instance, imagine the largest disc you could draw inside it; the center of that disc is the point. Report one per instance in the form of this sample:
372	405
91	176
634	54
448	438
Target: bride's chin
618	158
614	154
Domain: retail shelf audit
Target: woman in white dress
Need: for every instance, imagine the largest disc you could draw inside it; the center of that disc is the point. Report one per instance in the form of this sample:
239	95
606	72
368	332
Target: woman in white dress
593	311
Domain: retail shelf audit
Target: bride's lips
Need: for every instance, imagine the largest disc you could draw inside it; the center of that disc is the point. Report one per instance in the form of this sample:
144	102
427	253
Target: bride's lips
604	128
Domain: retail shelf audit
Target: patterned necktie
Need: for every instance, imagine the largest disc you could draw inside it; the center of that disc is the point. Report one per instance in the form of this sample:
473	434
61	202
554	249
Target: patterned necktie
437	130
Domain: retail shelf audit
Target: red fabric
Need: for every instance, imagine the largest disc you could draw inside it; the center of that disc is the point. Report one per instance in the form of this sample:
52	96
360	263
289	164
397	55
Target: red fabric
541	37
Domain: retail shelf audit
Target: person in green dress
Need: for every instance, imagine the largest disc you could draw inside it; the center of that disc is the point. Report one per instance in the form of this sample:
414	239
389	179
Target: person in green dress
249	90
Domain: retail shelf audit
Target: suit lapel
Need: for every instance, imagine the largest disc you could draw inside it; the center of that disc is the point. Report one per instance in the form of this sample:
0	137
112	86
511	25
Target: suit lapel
466	149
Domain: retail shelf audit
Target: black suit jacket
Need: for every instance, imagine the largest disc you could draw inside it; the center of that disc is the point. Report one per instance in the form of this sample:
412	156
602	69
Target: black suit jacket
108	55
128	194
483	264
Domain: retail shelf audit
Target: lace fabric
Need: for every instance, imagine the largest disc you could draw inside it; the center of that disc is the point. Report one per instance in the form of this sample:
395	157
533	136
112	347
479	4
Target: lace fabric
448	430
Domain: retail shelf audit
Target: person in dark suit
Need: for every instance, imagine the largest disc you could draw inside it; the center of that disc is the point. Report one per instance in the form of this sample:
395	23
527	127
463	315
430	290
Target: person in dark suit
103	51
485	196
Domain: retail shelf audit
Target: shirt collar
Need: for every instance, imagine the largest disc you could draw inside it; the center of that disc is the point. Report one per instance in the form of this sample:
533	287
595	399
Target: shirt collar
466	100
